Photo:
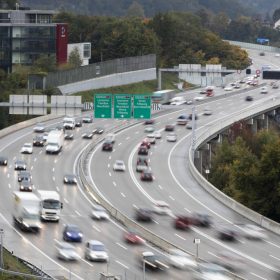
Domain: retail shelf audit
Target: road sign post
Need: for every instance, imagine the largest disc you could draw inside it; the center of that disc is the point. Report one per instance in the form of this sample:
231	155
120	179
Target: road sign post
103	105
196	242
142	106
122	106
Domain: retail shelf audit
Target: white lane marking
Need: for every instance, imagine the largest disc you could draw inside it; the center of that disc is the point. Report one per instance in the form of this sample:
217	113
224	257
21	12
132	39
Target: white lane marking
127	138
8	175
110	157
149	160
274	257
160	187
96	228
55	161
35	159
123	195
114	183
53	178
136	132
151	153
212	254
66	201
121	245
172	198
272	244
134	206
126	267
156	222
31	167
9	185
57	188
170	118
53	169
120	144
258	276
187	210
86	262
77	213
41	152
181	237
108	165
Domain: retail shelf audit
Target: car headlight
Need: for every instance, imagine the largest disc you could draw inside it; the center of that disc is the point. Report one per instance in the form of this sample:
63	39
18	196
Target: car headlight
69	234
65	179
80	234
21	187
5	162
30	188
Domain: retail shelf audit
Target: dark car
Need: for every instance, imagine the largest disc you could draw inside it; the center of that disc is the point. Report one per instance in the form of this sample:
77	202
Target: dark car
150	121
147	175
20	165
169	127
72	233
152	261
145	143
143	150
38	141
68	136
70	179
25	186
3	160
87	135
107	145
201	220
87	119
24	176
227	234
249	98
141	164
79	123
132	237
99	130
262	54
182	222
144	215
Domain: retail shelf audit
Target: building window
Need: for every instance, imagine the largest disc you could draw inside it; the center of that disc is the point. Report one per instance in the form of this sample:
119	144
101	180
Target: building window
87	51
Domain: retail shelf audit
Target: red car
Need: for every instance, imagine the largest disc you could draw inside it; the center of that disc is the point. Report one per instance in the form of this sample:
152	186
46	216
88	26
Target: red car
182	222
133	238
145	143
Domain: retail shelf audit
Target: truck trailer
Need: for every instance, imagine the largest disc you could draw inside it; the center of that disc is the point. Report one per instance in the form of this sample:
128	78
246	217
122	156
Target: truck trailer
54	142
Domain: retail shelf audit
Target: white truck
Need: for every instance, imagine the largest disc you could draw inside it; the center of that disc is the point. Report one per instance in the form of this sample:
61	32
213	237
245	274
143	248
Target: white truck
50	205
54	141
26	211
69	123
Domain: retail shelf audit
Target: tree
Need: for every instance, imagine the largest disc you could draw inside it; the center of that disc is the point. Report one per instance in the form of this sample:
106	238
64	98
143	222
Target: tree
44	63
135	10
276	15
8	4
75	58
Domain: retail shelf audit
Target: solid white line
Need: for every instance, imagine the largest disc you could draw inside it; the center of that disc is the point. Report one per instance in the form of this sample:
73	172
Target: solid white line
156	222
180	236
187	210
126	267
212	254
160	187
96	228
257	276
77	213
272	244
274	257
172	198
87	262
66	200
121	245
134	206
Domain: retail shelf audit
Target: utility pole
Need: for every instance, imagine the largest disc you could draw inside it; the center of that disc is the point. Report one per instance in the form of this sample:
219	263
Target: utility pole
1	248
193	132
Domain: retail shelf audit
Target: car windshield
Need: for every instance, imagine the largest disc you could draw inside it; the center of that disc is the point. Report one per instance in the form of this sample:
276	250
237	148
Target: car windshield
27	145
51	204
98	247
73	228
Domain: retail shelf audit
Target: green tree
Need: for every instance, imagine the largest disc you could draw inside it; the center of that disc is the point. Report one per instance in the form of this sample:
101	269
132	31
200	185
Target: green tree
44	63
276	15
75	58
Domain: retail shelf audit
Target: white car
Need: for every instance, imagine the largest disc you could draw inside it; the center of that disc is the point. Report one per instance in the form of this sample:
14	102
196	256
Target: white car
151	138
171	137
111	137
231	261
39	128
66	251
99	213
254	232
96	251
189	125
149	128
157	134
27	148
228	88
207	112
181	260
119	165
199	98
161	208
264	90
277	55
210	271
179	100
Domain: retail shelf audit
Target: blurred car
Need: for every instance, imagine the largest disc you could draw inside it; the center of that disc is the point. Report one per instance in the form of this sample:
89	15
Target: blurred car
20	165
150	121
230	261
171	137
3	160
249	98
149	129
143	150
87	119
189	125
145	143
25	186
161	208
96	251
99	130
254	232
199	98
119	165
39	127
111	137
144	215
151	138
45	136
107	145
264	90
98	212
152	261
210	271
24	176
38	141
70	179
227	234
72	233
79	122
87	135
202	91
66	251
27	148
201	220
277	55
141	164
262	53
189	102
170	127
60	127
228	88
275	86
182	222
237	85
132	237
147	175
207	112
182	120
181	260
68	136
157	134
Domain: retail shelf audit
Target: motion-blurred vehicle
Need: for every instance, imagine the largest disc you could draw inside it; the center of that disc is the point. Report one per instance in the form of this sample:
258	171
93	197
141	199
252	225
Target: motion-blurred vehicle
3	160
207	112
210	91
151	138
79	122
262	53
143	150
171	137
68	136
107	145
24	175
70	179
149	129
111	137
275	86
152	261
170	127
144	215
210	271
99	130
230	261
182	120
254	232
161	208
201	220
132	237
182	222
178	100
277	55
141	164
157	134
87	135
189	125
227	234
72	233
87	119
147	175
145	143
98	212
228	88
249	98
38	141
199	98
27	148
264	90
25	186
20	165
39	127
96	251
149	121
189	102
181	260
119	165
66	251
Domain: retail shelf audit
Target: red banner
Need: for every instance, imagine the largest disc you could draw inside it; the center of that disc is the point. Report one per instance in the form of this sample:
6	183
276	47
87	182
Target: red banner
61	42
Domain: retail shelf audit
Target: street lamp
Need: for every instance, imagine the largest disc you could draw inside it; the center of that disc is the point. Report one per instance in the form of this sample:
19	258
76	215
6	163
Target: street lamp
1	248
207	171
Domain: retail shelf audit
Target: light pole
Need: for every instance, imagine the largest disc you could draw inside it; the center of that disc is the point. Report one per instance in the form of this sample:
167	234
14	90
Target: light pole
1	248
196	241
144	269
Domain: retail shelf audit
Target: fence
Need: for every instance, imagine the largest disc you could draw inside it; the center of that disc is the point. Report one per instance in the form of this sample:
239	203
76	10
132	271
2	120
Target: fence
254	46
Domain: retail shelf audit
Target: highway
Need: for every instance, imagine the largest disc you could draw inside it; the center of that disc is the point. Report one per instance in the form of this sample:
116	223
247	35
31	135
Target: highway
126	192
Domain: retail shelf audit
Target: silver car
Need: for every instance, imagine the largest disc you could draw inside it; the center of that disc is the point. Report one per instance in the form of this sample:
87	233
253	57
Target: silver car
66	251
96	251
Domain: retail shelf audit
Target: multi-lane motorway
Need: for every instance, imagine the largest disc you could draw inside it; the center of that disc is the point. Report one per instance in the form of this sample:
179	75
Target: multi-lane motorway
126	192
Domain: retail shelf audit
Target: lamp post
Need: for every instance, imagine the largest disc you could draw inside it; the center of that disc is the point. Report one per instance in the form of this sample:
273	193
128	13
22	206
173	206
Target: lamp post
144	269
196	241
1	248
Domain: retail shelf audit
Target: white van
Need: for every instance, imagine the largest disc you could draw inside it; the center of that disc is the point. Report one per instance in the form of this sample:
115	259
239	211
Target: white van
69	123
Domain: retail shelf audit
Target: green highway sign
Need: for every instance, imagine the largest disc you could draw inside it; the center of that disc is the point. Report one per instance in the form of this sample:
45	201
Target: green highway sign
103	105
122	106
142	106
